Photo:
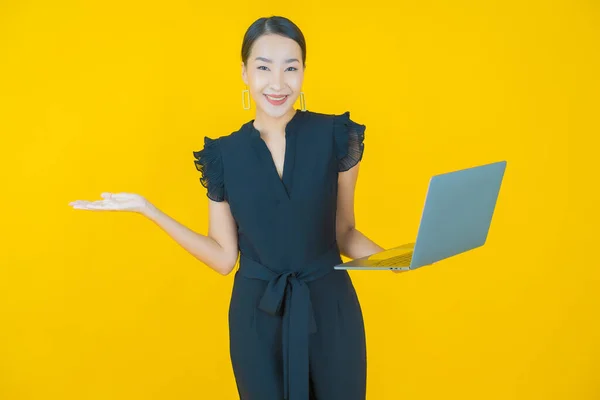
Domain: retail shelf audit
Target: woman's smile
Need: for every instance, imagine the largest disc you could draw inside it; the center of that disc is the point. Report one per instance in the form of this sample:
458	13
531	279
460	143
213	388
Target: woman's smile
276	100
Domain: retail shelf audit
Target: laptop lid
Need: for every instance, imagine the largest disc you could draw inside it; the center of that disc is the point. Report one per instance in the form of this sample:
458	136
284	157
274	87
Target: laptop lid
458	212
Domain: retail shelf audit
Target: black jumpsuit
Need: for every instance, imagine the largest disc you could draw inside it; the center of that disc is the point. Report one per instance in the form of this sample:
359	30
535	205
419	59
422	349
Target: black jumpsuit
295	324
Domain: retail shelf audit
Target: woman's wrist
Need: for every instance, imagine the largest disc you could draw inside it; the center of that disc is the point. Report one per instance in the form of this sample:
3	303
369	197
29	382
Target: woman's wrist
148	209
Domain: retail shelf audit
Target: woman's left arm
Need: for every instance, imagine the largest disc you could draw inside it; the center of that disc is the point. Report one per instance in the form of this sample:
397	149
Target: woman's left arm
351	242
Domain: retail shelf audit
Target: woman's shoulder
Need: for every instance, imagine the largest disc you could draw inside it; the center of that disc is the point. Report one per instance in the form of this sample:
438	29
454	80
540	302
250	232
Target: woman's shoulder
331	119
348	137
228	139
216	146
315	116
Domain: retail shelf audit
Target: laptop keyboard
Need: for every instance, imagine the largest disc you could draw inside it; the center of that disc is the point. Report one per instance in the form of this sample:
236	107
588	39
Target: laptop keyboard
402	259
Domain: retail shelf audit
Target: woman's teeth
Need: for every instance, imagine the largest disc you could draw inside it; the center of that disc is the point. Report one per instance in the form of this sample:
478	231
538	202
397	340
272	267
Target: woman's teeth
276	98
276	101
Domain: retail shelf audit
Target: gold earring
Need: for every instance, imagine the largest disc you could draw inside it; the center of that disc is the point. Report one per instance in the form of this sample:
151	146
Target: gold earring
302	102
245	93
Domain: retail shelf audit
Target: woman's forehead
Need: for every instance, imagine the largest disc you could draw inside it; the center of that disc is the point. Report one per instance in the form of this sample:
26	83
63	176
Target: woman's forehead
276	48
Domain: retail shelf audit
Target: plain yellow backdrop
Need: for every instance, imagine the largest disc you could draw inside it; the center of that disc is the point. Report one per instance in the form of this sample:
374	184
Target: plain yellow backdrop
115	96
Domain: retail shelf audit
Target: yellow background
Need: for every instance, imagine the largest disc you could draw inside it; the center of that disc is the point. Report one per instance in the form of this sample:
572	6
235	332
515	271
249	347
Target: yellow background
115	96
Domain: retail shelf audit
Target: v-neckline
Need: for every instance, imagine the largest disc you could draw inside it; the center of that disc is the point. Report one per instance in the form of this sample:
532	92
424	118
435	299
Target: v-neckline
285	180
285	157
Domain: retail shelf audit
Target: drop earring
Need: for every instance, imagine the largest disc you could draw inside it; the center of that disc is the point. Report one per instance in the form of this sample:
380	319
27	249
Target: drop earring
302	102
245	94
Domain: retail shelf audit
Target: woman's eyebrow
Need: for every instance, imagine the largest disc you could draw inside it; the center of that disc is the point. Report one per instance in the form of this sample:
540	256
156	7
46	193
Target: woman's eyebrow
267	60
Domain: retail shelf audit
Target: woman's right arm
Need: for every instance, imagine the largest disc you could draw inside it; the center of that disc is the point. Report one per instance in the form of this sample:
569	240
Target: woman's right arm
218	249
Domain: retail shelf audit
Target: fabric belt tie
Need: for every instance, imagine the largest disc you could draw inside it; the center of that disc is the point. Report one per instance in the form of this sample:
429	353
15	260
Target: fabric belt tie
290	289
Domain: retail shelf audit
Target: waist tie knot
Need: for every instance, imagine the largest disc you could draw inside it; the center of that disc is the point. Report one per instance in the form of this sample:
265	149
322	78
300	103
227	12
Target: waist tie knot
287	294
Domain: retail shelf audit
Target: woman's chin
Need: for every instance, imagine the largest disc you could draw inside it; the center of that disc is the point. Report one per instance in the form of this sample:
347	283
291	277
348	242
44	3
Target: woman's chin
277	111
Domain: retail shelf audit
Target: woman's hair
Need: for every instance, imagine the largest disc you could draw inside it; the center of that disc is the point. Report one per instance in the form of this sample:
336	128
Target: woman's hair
276	26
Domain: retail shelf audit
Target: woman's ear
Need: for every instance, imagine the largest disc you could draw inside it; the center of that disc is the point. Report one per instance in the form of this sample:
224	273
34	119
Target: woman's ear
244	74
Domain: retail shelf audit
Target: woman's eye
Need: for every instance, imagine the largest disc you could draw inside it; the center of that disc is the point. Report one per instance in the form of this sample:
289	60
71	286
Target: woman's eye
265	68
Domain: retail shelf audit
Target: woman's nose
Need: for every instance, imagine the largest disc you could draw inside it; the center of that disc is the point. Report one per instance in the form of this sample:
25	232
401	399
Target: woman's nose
277	81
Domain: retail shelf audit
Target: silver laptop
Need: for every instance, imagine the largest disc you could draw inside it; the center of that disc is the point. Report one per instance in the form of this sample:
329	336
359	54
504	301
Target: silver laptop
456	218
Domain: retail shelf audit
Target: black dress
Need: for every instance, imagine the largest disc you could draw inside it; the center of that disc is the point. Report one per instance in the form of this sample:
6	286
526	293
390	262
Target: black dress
295	324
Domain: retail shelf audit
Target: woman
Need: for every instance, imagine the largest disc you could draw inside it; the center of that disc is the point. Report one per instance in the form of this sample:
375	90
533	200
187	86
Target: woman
281	194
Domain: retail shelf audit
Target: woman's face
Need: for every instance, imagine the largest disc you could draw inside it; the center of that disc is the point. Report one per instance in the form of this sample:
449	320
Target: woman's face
274	74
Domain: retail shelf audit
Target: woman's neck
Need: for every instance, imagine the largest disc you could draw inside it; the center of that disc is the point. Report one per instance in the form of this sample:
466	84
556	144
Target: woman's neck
268	125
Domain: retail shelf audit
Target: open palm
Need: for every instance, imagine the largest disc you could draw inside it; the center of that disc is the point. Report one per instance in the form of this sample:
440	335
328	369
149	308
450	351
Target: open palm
112	202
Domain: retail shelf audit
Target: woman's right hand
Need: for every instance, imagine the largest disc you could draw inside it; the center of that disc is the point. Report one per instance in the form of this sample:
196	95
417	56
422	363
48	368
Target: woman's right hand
113	202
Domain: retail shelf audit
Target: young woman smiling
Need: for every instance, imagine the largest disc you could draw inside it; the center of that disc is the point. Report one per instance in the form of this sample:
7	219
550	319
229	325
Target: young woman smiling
281	192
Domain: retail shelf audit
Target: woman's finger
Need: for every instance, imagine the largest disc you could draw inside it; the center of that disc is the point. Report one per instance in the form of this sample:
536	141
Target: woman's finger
111	201
79	203
95	205
122	196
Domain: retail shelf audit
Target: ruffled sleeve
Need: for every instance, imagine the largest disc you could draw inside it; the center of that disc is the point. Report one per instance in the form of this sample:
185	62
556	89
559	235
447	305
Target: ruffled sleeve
349	141
210	163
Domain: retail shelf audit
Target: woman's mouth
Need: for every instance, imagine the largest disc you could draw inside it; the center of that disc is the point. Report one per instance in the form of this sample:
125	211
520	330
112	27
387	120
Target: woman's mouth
276	100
